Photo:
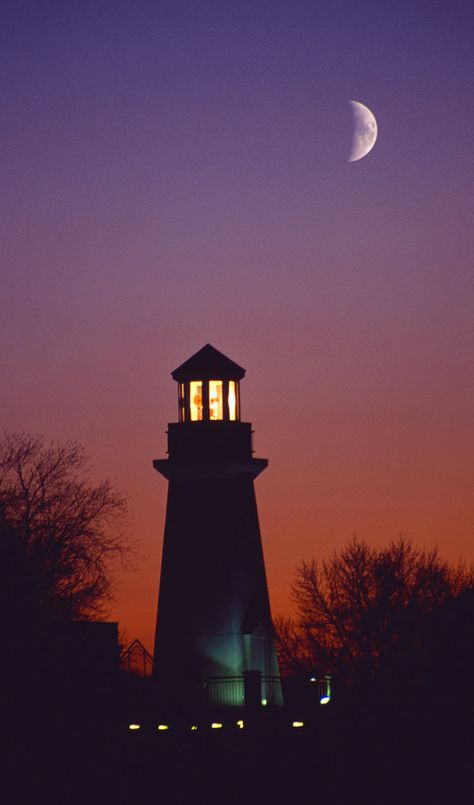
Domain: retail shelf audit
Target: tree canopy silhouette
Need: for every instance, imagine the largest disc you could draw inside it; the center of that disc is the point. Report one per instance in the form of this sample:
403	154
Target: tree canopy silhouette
60	531
378	615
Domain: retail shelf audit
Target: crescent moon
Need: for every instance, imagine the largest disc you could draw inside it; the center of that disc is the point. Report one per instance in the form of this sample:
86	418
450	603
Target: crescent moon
365	131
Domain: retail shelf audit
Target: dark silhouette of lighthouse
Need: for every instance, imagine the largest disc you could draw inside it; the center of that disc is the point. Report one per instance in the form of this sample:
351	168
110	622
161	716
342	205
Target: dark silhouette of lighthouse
214	634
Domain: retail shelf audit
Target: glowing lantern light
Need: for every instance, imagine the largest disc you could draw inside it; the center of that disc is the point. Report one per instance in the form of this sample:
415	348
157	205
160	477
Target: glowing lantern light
298	724
134	726
196	401
163	727
216	725
232	401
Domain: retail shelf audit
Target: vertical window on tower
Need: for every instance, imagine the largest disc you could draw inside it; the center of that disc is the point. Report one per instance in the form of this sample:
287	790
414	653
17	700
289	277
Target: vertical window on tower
216	410
195	400
232	400
182	407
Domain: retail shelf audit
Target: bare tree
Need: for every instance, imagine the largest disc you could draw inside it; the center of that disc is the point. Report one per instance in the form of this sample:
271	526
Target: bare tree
368	613
60	531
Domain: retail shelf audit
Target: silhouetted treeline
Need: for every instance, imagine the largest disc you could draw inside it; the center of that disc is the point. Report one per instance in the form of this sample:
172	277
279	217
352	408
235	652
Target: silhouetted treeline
392	623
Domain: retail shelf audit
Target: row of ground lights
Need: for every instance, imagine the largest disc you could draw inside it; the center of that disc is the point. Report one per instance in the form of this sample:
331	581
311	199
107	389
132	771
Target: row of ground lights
215	725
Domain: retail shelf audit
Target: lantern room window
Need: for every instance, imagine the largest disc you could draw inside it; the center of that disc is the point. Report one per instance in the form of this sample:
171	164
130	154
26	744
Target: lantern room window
182	403
195	401
216	400
232	401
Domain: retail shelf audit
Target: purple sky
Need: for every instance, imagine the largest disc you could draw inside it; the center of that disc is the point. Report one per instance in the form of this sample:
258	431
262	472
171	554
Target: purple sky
175	173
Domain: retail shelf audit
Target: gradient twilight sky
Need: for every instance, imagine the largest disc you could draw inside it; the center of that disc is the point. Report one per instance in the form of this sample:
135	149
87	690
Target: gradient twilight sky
175	173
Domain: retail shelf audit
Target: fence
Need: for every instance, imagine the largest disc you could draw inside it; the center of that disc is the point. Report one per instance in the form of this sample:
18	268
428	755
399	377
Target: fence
230	691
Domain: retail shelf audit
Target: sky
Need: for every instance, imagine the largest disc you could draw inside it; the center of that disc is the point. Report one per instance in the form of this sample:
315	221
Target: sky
176	173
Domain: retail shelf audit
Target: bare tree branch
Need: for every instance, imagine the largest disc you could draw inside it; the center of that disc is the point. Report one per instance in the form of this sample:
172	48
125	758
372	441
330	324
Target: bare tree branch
68	529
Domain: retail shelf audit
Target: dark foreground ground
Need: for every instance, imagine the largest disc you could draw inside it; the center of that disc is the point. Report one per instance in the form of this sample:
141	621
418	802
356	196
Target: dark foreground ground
359	756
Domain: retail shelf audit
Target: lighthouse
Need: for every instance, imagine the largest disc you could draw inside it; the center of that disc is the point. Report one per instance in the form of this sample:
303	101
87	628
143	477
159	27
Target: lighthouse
214	635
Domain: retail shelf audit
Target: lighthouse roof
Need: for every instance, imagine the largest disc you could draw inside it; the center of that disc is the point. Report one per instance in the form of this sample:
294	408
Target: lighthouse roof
208	364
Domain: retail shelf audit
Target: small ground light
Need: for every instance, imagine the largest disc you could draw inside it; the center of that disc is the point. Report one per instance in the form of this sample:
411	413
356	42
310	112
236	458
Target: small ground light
216	725
298	724
134	726
194	728
163	727
264	702
240	724
325	690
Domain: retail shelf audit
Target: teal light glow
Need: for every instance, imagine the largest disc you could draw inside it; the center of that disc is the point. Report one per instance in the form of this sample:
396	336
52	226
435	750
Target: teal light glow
325	690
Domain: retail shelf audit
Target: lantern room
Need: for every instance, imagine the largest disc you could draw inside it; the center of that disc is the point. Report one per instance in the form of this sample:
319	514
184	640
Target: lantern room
208	387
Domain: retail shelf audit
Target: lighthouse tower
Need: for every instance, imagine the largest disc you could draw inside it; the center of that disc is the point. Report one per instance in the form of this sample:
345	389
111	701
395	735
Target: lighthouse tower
214	635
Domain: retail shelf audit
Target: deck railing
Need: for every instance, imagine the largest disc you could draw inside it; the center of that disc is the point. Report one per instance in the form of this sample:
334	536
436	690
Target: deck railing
230	691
